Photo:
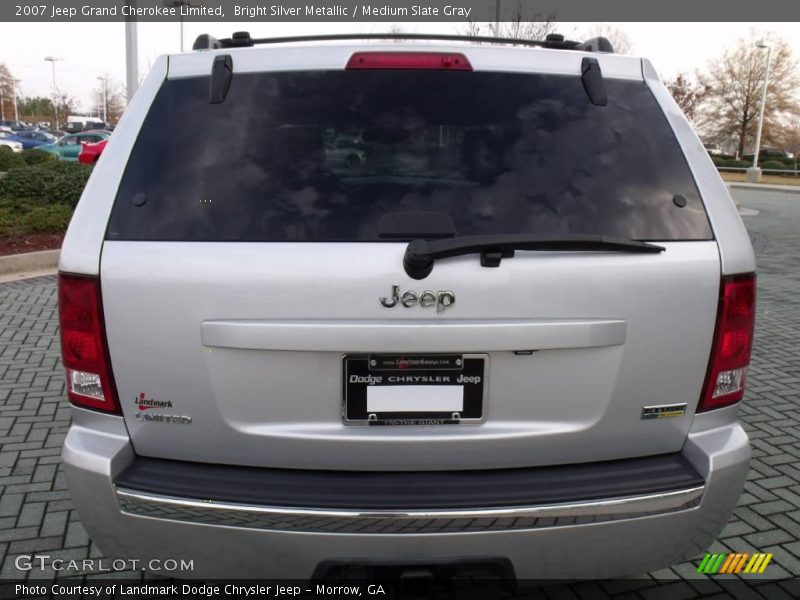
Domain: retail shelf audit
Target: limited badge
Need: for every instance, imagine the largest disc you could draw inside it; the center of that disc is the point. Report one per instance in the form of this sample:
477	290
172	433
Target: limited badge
663	411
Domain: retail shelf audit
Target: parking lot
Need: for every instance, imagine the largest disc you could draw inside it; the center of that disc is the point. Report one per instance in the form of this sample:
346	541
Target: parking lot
36	514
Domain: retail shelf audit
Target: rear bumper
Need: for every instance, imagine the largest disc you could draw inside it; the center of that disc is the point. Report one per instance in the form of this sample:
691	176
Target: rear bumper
588	538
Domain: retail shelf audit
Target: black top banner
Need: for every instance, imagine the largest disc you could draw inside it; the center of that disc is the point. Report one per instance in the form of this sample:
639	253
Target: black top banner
399	10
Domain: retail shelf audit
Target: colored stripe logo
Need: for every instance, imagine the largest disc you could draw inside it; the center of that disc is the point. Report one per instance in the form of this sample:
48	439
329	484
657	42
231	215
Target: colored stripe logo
739	562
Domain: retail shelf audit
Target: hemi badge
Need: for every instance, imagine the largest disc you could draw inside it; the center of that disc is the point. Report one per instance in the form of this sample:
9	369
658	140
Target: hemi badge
663	411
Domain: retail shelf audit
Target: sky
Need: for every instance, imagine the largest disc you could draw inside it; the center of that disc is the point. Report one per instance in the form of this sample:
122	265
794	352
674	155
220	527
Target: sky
92	50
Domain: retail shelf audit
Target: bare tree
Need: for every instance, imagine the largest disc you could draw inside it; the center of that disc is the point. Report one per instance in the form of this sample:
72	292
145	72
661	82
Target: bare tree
734	81
524	26
518	20
6	92
790	140
396	29
66	105
473	28
619	39
687	93
112	94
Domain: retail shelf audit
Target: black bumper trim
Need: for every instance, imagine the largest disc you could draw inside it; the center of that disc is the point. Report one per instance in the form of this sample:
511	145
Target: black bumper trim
423	490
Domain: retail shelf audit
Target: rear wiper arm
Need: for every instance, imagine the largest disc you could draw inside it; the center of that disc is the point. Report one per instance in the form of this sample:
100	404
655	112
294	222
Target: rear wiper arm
420	254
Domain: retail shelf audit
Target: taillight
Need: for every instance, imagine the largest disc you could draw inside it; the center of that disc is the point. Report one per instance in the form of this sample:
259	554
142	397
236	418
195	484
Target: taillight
449	61
733	340
84	350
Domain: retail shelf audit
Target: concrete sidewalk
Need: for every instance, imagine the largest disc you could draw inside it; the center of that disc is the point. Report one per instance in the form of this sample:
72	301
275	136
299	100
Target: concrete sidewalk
763	187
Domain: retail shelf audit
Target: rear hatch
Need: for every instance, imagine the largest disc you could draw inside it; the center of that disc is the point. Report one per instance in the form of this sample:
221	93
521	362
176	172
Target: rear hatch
258	311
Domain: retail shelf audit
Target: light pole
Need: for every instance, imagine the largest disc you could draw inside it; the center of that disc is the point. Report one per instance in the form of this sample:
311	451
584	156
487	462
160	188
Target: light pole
2	105
105	99
53	60
754	173
131	54
16	111
178	4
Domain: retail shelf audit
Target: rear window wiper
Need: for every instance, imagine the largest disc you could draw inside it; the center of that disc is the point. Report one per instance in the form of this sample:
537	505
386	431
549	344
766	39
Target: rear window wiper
420	254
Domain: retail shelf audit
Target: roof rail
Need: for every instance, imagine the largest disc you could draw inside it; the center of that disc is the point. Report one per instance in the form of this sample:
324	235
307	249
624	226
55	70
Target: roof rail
242	39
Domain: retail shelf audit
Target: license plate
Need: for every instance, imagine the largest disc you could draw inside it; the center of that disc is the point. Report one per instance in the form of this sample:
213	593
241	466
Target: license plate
420	389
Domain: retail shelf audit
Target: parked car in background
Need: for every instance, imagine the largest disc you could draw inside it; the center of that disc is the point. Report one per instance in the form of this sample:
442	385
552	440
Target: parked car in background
69	147
33	138
57	134
713	149
342	154
75	127
91	152
40	135
15	146
77	123
12	141
13	124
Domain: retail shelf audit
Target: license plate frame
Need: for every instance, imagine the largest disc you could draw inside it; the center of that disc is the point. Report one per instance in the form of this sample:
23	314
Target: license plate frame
362	372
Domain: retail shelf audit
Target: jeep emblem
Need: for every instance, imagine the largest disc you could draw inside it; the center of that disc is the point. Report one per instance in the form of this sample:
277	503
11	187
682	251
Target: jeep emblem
442	300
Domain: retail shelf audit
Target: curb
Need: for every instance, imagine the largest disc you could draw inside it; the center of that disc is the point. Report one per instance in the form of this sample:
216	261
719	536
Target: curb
29	261
764	187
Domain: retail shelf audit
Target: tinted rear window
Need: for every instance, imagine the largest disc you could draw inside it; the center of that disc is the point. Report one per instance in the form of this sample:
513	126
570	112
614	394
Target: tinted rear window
326	155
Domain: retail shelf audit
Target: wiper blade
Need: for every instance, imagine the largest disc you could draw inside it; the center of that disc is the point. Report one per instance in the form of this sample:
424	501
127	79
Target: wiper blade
421	254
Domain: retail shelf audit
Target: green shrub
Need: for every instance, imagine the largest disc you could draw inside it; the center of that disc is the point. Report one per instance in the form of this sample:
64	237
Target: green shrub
772	164
21	217
52	182
10	159
738	163
34	156
729	161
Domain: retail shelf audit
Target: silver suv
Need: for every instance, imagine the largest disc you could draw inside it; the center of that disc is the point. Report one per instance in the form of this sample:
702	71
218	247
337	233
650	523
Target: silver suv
512	336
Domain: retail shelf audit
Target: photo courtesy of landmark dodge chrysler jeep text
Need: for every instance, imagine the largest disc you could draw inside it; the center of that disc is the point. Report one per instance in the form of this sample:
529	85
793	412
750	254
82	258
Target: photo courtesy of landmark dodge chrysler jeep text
515	330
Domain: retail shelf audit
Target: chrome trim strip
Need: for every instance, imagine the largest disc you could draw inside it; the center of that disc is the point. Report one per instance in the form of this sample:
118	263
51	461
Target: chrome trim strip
209	512
412	336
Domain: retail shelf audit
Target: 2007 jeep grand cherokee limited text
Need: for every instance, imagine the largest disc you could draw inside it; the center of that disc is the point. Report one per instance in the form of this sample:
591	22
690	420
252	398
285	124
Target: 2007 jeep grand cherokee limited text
334	303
